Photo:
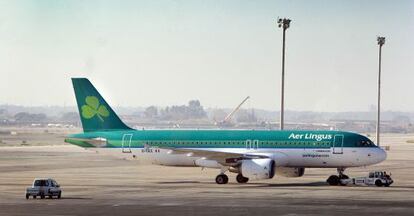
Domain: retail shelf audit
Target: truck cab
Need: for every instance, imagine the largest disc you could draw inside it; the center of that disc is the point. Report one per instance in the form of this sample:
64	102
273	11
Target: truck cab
377	178
44	187
380	178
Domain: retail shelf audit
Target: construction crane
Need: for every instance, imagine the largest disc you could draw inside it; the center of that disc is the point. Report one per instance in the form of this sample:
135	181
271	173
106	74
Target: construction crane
227	119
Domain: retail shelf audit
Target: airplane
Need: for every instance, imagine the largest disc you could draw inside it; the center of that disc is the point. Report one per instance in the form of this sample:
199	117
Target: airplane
252	154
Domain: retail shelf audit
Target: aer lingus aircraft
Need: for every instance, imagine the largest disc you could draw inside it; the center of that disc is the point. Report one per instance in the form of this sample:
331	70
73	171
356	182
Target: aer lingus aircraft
252	154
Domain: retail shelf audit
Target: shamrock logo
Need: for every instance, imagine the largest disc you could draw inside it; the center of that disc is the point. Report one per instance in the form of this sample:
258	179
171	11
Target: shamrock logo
92	108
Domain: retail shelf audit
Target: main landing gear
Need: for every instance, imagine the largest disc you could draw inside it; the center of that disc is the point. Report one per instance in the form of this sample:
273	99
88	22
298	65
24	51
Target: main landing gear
224	179
336	179
241	179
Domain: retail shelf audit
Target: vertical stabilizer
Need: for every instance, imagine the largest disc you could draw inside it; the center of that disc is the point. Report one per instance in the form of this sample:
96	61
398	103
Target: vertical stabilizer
95	113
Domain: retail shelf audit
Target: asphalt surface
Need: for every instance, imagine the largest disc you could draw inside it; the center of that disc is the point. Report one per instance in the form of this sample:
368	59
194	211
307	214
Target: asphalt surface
99	184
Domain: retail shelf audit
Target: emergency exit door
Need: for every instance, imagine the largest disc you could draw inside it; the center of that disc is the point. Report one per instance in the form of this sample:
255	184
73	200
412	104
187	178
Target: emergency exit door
338	144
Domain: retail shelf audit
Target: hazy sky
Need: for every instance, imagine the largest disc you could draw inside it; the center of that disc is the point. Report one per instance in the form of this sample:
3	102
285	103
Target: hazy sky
140	53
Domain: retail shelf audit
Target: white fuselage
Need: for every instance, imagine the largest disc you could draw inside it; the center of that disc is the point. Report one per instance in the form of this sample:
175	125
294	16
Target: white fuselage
288	157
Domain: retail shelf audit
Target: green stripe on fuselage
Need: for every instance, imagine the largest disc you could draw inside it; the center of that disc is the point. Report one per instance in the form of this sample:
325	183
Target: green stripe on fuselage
227	138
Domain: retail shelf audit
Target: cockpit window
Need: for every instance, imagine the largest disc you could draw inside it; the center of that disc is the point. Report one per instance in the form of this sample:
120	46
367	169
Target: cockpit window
365	143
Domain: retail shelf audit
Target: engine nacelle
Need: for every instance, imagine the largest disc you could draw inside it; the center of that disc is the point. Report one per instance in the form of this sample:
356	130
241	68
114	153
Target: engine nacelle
290	171
258	168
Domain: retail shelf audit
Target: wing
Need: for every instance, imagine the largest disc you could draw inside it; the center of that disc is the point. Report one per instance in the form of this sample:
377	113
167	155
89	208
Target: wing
224	158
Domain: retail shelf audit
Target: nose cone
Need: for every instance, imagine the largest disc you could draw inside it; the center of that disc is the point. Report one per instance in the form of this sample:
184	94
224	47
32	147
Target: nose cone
379	155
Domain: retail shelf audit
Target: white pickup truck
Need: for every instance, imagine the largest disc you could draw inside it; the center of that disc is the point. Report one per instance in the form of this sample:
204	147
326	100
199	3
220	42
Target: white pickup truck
378	178
44	187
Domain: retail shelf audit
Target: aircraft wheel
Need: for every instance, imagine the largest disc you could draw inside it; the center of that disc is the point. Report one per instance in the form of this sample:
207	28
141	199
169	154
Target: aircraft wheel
333	180
241	179
344	176
222	179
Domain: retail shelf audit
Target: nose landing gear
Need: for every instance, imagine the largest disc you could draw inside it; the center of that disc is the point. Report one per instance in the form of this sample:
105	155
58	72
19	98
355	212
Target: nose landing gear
336	179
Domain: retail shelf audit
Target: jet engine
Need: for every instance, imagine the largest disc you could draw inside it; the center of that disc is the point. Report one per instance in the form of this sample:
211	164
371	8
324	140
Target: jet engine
290	171
258	168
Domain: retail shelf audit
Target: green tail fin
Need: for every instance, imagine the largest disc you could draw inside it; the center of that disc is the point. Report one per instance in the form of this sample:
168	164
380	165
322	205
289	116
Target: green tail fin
95	113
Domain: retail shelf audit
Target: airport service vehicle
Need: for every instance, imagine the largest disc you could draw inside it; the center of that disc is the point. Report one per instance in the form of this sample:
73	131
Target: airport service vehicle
44	187
378	178
252	154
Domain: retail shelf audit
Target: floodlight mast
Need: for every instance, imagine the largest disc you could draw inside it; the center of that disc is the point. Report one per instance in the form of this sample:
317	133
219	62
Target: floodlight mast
283	23
381	42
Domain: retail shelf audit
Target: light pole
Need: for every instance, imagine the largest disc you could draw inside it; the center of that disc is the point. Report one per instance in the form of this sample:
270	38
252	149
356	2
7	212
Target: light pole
381	41
283	23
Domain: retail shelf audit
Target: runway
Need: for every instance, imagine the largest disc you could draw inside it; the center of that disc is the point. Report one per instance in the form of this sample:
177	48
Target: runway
97	184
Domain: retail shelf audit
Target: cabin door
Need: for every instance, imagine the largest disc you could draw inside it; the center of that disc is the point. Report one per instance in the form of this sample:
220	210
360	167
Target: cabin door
255	145
248	144
126	143
338	144
252	144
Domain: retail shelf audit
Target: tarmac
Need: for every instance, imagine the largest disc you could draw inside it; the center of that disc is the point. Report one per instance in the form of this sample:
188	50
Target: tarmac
100	184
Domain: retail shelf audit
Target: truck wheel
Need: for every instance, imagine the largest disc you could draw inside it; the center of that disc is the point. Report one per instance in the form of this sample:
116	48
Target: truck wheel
27	196
378	183
59	195
34	197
